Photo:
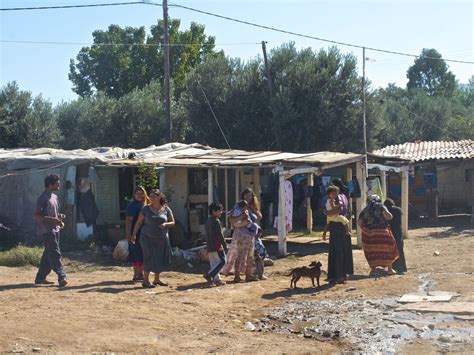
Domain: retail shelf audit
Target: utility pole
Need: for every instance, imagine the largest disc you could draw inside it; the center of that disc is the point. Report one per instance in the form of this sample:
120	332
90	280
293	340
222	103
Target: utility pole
270	92
364	119
166	56
267	69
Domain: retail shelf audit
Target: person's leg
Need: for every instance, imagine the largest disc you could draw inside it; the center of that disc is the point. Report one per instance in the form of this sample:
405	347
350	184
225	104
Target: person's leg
325	231
250	261
216	264
157	280
44	266
54	257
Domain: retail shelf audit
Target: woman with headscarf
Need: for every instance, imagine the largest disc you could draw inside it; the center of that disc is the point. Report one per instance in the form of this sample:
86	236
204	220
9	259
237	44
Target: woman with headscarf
378	243
400	265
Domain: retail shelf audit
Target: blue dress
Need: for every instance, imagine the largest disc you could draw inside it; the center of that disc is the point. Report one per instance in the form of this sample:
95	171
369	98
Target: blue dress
135	253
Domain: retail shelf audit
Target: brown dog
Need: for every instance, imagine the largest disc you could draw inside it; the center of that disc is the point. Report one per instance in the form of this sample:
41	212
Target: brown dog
312	271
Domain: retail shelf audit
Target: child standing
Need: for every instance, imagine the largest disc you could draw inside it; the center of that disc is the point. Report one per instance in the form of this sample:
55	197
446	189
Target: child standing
216	245
333	205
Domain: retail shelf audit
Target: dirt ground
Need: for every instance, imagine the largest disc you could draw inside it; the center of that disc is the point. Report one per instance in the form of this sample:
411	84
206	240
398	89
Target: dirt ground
102	311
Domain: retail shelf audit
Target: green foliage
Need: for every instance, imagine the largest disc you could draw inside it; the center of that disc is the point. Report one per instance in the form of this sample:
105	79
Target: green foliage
316	103
21	256
430	73
136	120
137	58
148	177
26	121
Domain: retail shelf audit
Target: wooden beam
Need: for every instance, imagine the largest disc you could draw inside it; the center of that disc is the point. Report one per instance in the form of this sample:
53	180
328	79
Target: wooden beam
281	216
404	203
309	211
349	178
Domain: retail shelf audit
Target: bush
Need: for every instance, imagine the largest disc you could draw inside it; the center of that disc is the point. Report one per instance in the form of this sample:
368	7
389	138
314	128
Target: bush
21	256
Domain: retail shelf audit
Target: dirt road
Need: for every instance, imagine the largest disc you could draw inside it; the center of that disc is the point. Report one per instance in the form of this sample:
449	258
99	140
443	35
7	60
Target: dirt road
102	311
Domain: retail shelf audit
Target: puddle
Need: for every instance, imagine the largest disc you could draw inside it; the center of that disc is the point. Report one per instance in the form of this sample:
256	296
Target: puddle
367	325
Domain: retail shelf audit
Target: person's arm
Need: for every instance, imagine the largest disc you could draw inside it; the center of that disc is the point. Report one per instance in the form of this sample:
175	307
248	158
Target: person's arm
128	227
257	213
170	222
335	209
138	224
386	214
219	235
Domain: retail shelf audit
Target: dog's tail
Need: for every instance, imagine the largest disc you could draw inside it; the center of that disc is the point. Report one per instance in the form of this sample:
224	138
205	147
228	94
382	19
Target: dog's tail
291	273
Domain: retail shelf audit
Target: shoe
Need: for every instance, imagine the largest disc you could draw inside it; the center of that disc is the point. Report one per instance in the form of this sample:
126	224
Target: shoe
62	283
148	285
208	279
250	279
219	283
237	279
263	277
43	282
137	278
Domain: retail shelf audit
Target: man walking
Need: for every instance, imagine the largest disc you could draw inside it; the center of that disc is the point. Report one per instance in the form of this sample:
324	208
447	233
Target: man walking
48	221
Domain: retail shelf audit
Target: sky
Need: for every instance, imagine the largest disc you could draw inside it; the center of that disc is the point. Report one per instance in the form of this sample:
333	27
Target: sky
396	25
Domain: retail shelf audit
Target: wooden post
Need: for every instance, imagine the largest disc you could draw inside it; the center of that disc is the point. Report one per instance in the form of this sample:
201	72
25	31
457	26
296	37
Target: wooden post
404	203
383	179
360	202
349	178
237	185
281	216
226	198
256	182
309	211
210	186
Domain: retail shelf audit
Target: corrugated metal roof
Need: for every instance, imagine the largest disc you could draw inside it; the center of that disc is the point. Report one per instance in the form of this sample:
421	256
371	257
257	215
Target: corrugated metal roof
421	151
172	154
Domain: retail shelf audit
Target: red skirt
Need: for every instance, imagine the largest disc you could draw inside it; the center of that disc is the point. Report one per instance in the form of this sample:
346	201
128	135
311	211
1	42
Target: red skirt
379	246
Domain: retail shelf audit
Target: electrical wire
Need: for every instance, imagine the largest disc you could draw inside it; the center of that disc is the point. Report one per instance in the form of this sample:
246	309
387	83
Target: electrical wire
213	114
239	21
129	44
316	38
76	6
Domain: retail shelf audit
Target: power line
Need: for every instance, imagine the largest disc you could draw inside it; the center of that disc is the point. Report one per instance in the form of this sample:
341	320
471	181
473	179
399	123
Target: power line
316	38
145	2
214	115
76	6
128	44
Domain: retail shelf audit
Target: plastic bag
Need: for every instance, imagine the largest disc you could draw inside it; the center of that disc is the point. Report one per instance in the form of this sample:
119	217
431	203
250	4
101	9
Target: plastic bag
121	250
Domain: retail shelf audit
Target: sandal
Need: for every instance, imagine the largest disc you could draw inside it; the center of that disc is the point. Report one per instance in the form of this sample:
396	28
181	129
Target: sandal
148	285
160	283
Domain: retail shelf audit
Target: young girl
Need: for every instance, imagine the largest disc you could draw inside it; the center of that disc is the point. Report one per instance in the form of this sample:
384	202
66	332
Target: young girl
333	205
241	210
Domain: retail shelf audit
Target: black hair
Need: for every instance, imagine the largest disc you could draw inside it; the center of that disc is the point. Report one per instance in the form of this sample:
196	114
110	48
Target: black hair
389	203
51	180
214	207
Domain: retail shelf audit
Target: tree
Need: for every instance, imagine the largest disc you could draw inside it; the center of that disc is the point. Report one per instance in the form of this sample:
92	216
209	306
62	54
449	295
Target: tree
430	73
134	120
123	59
316	104
26	121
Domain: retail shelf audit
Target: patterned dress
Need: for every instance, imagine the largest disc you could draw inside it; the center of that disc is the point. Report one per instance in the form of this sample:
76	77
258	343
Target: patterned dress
380	248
